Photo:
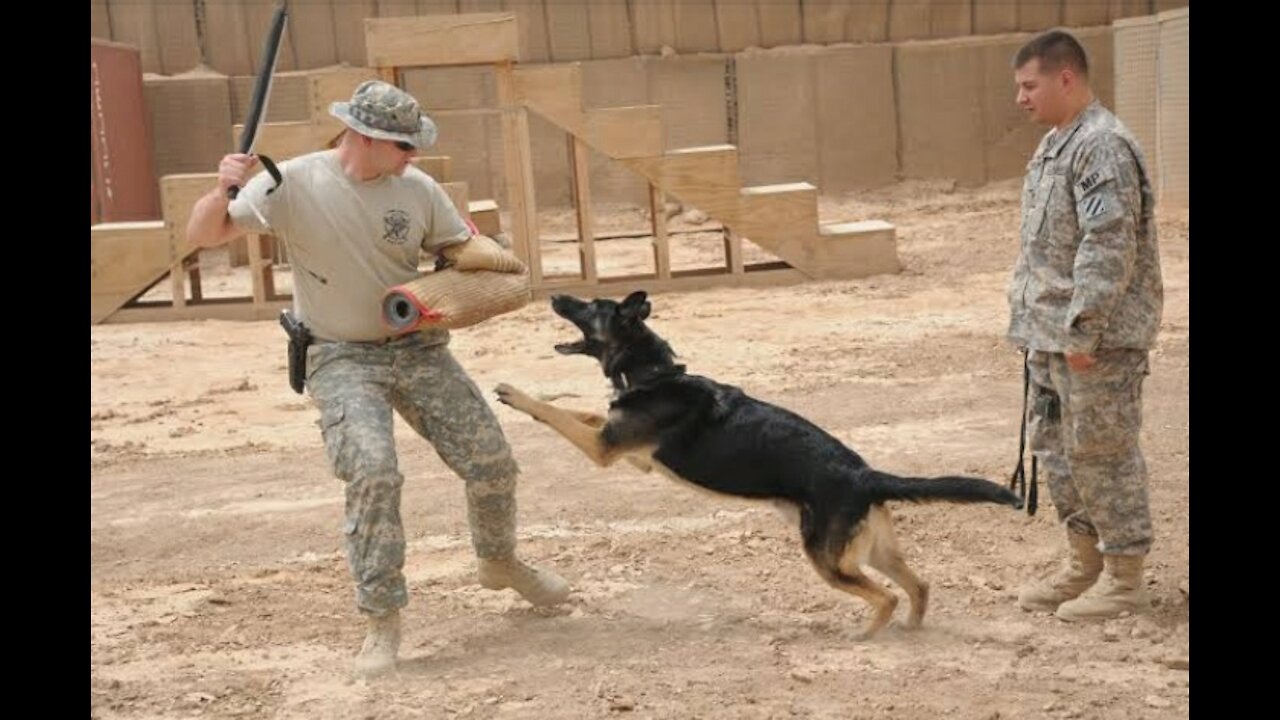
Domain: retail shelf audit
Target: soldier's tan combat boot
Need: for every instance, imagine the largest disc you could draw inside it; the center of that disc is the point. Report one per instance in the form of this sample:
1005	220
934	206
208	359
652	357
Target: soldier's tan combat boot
1119	590
1078	573
538	586
378	655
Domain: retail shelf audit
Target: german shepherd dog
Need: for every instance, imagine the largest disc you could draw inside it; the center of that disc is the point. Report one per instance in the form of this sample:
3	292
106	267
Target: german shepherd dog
715	436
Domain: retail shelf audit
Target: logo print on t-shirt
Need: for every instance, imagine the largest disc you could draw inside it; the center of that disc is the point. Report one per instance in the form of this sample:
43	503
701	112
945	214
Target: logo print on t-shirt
396	224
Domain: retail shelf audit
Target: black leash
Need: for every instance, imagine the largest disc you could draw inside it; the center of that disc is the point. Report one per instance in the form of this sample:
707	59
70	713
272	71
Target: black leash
1019	479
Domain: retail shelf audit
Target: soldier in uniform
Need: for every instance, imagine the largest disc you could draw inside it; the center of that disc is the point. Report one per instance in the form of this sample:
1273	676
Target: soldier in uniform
1086	299
356	219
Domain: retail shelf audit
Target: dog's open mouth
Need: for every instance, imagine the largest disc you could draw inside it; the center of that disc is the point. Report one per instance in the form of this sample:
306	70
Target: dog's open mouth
571	348
572	309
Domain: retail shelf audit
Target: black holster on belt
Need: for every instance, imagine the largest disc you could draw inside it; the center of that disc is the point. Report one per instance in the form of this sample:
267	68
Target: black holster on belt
299	340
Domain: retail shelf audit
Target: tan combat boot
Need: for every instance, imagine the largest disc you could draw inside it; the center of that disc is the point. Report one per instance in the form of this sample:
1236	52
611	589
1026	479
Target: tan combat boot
1077	574
491	513
540	587
378	654
1119	590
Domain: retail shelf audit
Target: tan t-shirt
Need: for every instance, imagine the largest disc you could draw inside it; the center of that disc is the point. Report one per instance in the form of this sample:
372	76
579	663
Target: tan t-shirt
348	240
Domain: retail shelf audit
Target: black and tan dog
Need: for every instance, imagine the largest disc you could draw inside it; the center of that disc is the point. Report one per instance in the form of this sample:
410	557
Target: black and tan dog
715	436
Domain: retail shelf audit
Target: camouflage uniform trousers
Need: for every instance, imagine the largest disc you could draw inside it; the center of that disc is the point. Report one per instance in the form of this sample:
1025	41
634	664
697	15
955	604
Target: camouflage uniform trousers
1084	429
356	386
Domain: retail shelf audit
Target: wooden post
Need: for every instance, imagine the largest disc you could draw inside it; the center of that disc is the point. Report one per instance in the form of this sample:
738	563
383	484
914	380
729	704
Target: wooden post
238	252
733	252
661	249
582	202
518	162
194	273
177	283
256	244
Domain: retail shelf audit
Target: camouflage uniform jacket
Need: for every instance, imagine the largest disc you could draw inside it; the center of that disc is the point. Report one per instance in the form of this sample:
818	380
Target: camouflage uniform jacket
1088	274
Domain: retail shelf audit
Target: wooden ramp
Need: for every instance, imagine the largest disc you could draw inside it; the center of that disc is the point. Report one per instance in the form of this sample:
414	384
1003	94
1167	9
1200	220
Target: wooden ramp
782	219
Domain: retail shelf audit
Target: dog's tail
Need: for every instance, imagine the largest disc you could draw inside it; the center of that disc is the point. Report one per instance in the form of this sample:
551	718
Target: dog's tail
950	488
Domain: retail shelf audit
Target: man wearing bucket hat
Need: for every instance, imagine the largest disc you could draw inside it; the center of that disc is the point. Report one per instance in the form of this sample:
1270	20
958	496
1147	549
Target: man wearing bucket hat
356	219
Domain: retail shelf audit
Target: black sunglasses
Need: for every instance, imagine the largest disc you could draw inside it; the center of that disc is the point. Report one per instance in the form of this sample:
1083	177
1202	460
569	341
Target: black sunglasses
405	146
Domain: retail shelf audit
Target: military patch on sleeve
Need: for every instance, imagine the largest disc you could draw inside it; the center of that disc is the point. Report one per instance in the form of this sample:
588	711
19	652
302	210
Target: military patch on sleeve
1094	207
1100	209
1092	180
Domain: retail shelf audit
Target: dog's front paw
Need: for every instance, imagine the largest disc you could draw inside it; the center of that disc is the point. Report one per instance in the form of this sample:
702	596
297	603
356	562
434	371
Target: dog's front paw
508	395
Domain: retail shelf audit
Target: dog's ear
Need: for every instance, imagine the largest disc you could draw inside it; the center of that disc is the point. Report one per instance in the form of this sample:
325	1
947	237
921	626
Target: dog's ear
636	305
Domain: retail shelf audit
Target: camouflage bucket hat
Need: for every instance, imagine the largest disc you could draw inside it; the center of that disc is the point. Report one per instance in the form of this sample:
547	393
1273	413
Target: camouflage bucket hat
383	111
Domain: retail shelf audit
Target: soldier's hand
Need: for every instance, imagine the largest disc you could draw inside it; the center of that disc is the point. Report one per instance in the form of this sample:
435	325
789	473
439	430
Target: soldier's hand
234	170
1079	362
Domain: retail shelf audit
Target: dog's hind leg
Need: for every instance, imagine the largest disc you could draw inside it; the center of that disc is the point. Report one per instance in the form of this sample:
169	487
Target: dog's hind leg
882	601
843	573
887	558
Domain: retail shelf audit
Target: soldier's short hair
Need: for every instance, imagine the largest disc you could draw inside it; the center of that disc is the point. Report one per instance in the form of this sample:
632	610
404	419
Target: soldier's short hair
1054	48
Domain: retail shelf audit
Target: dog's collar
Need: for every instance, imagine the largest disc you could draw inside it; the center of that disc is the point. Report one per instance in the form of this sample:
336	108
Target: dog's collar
650	373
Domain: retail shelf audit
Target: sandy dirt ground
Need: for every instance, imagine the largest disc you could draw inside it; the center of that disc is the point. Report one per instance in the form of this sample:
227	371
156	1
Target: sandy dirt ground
219	586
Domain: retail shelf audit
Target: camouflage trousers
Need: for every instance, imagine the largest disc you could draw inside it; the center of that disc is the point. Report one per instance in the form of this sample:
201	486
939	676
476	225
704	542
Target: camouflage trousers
356	386
1084	429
